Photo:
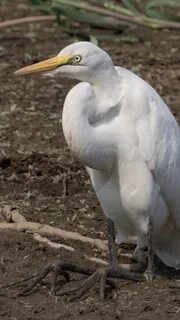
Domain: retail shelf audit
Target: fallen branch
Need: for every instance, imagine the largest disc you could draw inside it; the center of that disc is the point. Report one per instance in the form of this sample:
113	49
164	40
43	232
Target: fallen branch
14	220
43	229
14	22
132	267
51	244
96	260
21	224
56	245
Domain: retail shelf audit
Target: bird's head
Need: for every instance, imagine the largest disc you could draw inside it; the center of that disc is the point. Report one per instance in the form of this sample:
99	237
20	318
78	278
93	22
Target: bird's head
83	61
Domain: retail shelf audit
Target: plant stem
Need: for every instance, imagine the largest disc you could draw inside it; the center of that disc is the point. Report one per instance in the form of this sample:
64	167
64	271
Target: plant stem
9	23
141	20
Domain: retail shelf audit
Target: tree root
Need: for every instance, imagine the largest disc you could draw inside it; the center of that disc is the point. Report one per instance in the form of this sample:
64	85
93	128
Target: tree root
15	221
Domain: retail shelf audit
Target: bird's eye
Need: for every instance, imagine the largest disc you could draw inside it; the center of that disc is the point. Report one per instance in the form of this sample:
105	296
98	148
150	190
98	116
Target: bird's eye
77	59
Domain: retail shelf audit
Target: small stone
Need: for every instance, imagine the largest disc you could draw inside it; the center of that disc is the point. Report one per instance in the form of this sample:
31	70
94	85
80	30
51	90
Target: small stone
13	107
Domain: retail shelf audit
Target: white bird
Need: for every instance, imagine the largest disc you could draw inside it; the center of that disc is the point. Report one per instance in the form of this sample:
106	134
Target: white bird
128	140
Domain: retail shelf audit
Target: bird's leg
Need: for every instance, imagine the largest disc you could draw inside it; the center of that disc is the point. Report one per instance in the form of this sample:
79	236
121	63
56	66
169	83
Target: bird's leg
140	253
150	270
111	243
101	274
144	254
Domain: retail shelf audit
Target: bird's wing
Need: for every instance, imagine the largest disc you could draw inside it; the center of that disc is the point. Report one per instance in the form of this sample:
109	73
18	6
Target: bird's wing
163	158
158	141
159	144
158	136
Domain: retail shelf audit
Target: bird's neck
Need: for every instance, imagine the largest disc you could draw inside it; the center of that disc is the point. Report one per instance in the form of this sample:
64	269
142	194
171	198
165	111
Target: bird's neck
91	144
107	88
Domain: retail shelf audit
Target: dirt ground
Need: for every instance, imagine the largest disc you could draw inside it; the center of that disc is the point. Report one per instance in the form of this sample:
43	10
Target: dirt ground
34	162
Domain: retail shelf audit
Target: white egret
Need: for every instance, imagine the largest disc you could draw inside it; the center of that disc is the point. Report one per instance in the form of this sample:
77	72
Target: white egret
128	140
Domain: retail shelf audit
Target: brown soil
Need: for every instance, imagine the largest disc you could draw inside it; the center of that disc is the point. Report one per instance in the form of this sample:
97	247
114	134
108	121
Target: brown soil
34	166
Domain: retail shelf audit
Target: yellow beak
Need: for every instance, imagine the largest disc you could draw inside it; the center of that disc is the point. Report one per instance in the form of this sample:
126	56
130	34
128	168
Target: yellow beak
46	65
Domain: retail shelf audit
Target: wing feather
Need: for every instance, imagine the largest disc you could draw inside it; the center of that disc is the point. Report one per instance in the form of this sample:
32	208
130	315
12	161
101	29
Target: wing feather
159	144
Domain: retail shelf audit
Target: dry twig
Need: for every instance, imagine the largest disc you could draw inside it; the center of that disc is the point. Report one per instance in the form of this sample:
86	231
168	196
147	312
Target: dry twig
51	244
21	224
13	22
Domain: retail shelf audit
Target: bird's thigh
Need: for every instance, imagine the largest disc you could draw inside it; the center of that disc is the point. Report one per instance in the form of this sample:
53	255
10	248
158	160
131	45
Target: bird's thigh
141	198
138	194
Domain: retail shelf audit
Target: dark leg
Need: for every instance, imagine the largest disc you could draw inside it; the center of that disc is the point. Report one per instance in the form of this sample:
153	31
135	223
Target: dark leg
101	274
145	255
150	271
111	243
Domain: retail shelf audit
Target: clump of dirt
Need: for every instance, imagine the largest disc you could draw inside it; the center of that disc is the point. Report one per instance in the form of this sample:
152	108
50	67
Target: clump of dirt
40	176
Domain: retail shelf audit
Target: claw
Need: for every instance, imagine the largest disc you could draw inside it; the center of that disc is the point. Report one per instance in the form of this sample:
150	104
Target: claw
100	275
149	277
150	270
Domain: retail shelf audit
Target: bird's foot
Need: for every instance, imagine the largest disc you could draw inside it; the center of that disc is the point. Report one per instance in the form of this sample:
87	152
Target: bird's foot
150	269
145	263
59	268
27	285
149	275
99	276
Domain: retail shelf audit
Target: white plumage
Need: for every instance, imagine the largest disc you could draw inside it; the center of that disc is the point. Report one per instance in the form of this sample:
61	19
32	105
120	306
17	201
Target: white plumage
128	140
